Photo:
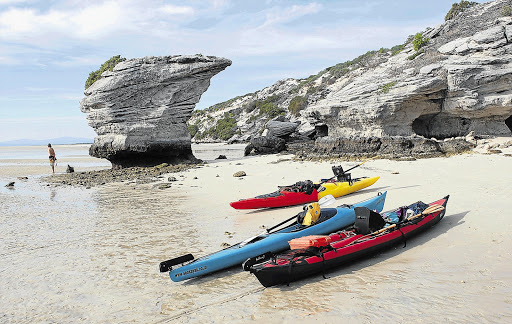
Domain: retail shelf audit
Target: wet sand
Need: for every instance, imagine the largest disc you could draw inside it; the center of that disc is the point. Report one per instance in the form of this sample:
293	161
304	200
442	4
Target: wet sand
72	254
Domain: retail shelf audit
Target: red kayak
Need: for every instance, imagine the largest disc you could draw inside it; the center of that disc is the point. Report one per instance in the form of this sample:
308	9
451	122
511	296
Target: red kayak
304	192
371	233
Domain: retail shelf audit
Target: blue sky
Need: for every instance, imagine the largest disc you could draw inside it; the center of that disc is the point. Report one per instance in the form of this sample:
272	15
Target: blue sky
48	48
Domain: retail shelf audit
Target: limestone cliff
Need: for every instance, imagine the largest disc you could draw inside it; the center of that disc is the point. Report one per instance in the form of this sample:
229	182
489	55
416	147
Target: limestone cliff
457	82
140	109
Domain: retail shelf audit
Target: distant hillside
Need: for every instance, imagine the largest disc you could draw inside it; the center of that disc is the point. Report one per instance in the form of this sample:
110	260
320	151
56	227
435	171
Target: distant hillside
53	141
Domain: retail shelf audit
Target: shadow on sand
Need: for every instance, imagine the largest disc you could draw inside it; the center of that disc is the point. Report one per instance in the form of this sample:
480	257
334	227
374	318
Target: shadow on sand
446	224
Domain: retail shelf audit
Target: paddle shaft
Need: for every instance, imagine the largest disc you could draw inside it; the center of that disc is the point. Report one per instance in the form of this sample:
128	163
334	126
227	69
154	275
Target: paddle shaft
428	210
358	165
324	201
352	168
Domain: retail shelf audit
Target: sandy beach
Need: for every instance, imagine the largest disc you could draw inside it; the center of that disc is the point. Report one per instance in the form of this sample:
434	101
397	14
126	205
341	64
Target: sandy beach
72	254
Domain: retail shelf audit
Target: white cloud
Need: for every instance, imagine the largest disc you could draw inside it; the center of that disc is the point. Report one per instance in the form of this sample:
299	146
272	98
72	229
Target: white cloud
10	2
277	15
176	10
217	4
8	60
93	21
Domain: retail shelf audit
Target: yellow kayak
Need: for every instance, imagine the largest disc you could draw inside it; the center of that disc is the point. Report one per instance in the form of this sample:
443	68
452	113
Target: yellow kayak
338	189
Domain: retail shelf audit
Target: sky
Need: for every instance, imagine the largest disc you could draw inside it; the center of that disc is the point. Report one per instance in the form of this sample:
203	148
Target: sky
49	47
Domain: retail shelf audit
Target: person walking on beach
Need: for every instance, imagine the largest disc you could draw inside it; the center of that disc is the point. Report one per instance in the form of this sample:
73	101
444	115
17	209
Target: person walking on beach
51	156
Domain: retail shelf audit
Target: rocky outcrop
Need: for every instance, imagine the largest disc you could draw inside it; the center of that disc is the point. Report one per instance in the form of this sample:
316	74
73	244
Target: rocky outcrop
281	128
458	82
265	145
140	109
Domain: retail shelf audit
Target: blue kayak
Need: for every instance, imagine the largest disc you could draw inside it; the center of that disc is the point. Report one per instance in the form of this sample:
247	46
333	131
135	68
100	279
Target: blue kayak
330	220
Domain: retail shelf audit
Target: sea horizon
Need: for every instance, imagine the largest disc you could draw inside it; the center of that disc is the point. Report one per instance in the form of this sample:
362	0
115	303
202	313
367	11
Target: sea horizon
65	140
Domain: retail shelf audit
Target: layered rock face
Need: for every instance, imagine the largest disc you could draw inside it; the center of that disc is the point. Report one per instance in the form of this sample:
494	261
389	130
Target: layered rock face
460	83
416	101
140	109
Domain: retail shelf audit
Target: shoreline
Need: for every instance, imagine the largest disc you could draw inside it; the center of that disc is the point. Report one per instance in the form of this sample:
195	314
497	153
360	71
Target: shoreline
97	172
119	232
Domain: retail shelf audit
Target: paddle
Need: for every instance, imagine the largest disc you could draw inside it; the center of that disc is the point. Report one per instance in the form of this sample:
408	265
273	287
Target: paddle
360	164
352	168
429	210
324	201
167	265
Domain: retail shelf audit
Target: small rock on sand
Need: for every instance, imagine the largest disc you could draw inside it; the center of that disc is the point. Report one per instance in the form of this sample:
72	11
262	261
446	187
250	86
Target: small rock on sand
239	174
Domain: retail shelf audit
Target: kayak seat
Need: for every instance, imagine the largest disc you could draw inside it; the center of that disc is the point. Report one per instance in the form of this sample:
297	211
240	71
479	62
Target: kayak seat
325	214
367	221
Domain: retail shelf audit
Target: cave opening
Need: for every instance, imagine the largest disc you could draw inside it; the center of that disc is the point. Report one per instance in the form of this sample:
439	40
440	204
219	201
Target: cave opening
423	125
321	130
508	122
441	126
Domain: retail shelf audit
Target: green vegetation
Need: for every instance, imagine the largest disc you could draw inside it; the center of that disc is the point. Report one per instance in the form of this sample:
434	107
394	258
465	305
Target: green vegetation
413	56
397	49
267	107
108	65
419	41
506	11
222	105
385	87
270	109
199	136
193	129
457	8
339	70
226	127
297	104
198	112
248	108
227	103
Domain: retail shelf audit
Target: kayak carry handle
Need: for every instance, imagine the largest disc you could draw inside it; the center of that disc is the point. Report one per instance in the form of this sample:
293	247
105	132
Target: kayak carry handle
166	266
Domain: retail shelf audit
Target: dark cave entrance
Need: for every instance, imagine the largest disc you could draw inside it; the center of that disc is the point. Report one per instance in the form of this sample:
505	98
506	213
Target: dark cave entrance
321	130
508	122
441	126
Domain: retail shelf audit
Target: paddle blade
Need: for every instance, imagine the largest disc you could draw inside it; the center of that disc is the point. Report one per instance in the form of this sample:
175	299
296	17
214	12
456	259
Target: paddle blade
167	265
326	200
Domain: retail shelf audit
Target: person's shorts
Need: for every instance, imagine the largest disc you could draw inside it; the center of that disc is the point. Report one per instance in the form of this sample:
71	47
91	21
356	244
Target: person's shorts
52	161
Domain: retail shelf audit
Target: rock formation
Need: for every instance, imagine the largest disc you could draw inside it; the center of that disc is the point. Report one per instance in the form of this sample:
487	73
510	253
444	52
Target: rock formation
419	102
140	109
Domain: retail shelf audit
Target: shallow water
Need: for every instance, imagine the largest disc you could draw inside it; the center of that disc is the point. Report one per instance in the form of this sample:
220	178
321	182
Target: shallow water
73	254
